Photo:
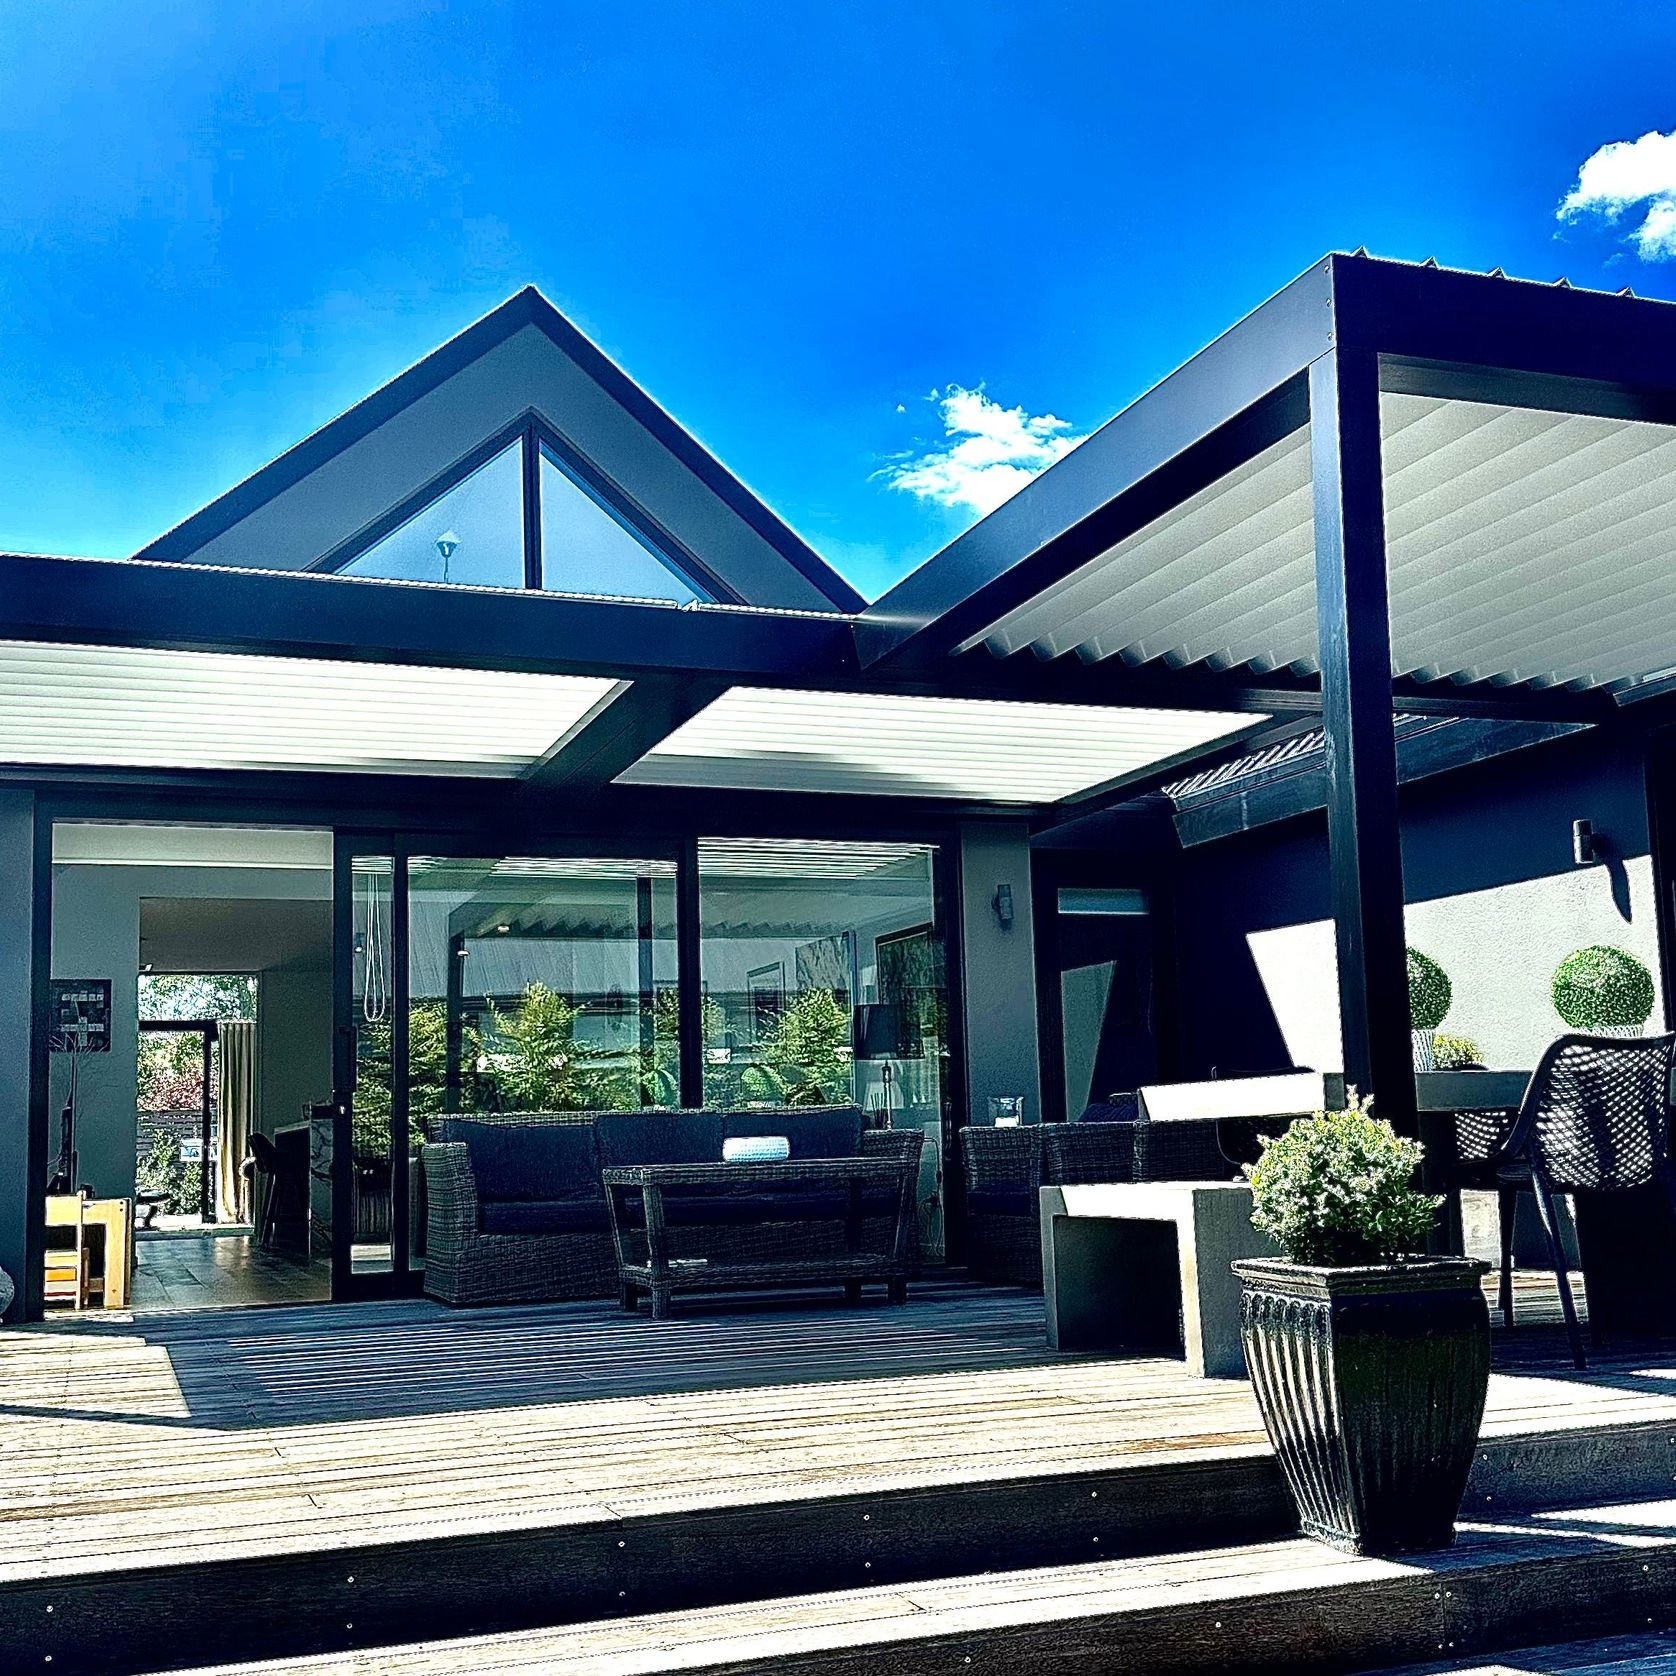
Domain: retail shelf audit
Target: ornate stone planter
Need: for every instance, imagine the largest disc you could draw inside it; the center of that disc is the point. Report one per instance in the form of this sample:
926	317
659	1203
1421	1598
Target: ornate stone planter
1371	1382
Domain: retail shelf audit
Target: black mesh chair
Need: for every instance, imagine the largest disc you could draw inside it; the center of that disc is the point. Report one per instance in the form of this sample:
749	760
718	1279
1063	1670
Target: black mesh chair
1595	1119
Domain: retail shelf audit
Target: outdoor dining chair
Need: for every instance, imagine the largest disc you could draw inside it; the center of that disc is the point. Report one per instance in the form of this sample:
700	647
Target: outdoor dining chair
1595	1119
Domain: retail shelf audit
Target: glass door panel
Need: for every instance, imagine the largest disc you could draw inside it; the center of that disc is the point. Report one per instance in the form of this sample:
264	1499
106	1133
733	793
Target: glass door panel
541	984
1105	993
825	983
367	1186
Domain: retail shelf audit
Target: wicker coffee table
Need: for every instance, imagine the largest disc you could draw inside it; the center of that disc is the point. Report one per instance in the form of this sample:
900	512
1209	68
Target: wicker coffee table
730	1252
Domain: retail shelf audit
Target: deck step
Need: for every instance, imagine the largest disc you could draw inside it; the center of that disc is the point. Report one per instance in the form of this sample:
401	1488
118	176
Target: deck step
1270	1607
1610	1655
581	1566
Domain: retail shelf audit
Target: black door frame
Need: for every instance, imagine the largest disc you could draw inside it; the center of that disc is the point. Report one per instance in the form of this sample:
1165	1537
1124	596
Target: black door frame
208	1030
402	829
1053	870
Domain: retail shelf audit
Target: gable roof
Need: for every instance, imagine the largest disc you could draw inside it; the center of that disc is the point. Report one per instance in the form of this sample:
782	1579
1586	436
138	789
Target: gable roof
522	356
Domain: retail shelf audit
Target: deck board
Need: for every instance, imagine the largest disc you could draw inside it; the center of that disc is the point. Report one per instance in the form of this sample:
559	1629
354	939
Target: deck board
1285	1605
162	1439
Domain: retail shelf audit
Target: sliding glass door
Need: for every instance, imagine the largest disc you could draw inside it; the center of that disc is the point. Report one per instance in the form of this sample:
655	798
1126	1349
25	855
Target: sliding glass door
483	984
824	983
814	971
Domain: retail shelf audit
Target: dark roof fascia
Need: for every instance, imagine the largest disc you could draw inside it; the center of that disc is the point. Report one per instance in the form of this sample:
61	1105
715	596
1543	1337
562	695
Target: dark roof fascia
1555	346
1235	397
126	602
527	308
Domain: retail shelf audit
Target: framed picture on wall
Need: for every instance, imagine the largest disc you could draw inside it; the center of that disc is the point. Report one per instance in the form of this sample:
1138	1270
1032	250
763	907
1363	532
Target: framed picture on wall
911	975
765	987
828	963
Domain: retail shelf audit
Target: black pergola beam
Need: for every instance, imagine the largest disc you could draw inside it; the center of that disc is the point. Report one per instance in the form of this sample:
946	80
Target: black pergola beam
1353	629
1229	402
618	731
186	607
1409	313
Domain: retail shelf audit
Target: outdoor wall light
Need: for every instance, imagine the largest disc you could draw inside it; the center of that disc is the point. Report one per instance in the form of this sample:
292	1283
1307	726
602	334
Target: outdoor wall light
1002	903
1585	849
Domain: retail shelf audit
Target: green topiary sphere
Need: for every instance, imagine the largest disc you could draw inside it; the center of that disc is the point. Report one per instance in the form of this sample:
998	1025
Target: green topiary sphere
1429	991
1603	988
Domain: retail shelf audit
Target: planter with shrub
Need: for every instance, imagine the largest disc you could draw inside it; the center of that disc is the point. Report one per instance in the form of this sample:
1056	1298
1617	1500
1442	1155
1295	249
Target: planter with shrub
1603	991
1429	995
1370	1364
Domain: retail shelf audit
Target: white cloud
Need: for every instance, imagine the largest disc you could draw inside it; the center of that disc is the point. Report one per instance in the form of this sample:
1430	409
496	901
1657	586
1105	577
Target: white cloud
1631	175
989	454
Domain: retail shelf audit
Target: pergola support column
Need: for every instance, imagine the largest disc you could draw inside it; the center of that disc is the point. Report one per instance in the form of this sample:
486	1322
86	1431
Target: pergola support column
1353	625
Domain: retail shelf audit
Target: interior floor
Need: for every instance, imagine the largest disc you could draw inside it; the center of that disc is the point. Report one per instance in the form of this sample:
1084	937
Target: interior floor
220	1271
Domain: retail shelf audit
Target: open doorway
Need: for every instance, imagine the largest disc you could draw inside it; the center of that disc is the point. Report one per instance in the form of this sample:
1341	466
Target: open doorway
207	952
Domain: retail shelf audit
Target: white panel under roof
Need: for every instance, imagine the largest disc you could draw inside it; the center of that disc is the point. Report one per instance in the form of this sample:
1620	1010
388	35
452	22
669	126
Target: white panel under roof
762	739
1524	546
144	708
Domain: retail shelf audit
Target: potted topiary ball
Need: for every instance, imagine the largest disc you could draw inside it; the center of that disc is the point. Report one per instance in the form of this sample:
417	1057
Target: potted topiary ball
1370	1363
1429	995
1603	991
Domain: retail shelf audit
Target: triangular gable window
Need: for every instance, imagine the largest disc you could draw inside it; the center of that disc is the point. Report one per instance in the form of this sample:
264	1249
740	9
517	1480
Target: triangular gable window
588	548
472	533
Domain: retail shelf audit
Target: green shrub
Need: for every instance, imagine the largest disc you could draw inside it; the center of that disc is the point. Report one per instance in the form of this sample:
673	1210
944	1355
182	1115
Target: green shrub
1603	988
1337	1189
1449	1053
1429	992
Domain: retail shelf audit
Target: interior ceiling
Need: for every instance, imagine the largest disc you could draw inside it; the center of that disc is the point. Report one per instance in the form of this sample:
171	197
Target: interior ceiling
132	707
137	844
984	750
217	934
1523	546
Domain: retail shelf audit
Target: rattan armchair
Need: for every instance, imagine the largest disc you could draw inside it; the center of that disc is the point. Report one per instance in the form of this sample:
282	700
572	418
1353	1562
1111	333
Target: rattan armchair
1004	1171
464	1264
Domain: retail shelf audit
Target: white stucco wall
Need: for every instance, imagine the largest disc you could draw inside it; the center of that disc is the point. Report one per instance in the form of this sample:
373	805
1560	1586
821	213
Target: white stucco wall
1499	946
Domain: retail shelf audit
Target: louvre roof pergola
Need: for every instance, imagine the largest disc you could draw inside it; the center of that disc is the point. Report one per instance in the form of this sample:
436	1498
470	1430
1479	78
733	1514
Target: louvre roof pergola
1391	489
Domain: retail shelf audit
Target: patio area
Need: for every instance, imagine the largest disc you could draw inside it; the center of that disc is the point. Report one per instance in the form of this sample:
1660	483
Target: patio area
413	1471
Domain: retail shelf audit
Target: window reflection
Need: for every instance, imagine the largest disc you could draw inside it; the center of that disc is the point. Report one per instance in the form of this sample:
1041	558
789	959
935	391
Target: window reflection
824	983
541	985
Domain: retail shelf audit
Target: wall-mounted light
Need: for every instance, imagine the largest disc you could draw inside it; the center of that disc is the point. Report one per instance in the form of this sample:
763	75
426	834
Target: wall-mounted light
1585	849
1002	903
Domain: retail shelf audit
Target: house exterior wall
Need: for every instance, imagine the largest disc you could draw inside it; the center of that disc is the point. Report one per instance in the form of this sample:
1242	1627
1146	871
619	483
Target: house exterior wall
1492	894
999	969
18	1202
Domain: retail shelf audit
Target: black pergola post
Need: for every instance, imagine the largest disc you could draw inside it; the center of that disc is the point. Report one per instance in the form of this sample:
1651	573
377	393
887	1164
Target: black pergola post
1354	630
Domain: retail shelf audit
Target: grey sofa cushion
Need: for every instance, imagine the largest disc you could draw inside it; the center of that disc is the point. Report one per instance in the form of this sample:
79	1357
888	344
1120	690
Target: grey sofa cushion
824	1133
535	1162
627	1139
1120	1108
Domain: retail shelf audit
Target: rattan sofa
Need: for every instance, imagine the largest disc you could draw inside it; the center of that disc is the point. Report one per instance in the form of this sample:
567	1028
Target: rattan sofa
528	1221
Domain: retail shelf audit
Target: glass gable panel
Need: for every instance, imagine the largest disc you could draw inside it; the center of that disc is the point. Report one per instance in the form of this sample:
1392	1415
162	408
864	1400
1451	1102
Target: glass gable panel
587	549
472	535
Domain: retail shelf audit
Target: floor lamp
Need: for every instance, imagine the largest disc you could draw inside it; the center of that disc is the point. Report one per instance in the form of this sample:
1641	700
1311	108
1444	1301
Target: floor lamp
881	1036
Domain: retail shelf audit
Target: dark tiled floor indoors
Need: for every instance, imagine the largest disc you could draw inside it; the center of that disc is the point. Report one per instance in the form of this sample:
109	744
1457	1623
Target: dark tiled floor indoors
217	1271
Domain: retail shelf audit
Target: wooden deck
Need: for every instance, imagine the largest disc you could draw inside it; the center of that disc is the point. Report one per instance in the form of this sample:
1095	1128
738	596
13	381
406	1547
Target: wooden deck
370	1464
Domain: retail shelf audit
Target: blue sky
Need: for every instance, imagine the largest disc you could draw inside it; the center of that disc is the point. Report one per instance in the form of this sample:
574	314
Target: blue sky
793	223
